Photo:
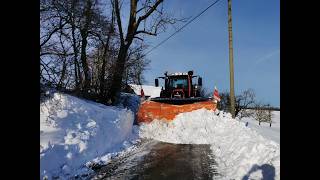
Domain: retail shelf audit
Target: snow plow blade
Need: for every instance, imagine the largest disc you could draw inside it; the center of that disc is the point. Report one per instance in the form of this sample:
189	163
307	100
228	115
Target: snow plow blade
167	108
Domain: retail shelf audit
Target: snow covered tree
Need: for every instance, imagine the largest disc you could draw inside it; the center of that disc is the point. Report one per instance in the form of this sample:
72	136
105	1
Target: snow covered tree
262	113
243	102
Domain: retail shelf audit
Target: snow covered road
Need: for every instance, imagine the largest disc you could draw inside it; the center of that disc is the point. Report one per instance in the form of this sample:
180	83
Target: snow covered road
160	160
198	145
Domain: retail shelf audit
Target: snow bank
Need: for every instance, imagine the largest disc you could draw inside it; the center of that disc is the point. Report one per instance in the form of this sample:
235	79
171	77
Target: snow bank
74	131
151	91
238	150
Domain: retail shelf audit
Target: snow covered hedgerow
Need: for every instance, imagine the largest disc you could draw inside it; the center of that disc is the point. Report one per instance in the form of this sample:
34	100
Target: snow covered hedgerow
74	131
262	114
237	149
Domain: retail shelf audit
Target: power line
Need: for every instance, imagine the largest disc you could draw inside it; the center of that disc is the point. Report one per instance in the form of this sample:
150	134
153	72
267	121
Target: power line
182	27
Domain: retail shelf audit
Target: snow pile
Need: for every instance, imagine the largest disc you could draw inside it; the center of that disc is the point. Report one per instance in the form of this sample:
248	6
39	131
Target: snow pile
239	151
130	101
272	133
151	91
74	131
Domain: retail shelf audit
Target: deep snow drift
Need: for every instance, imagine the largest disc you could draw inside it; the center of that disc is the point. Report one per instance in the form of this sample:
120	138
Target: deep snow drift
75	131
237	149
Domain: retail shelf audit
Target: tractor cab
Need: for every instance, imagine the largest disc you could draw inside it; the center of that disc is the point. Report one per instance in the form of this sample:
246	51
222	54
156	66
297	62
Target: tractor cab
179	85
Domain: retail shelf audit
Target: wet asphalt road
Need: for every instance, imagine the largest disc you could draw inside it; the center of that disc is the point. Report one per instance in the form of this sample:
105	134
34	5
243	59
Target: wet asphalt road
158	160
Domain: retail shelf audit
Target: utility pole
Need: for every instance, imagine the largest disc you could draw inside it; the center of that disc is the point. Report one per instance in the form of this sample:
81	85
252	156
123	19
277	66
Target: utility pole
232	97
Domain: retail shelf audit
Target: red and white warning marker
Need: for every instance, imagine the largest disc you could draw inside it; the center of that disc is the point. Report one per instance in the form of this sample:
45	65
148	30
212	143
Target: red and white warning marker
216	95
142	93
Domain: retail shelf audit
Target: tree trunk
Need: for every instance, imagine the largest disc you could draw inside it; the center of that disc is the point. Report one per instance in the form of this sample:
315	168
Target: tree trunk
63	73
64	64
84	42
104	61
77	74
75	58
125	42
124	46
102	86
118	74
83	59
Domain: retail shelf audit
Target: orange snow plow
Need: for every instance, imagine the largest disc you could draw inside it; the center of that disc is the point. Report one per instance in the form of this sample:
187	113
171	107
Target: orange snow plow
150	110
178	96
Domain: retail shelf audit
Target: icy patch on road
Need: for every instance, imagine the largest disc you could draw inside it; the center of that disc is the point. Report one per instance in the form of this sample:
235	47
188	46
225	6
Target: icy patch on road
239	151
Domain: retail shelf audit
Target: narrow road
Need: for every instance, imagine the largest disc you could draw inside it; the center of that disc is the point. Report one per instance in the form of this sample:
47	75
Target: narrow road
158	160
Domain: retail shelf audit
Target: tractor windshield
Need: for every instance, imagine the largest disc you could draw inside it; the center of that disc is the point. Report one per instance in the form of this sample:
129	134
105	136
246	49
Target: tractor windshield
178	83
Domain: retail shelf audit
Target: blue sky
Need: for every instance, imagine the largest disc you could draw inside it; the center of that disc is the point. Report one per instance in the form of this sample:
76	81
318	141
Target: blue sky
203	46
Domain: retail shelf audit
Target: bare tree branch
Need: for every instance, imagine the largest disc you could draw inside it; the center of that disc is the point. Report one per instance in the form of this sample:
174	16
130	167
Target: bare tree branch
153	8
136	37
52	32
146	32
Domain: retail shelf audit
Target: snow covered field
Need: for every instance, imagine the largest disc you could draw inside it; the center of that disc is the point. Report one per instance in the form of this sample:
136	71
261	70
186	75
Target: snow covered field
272	133
75	131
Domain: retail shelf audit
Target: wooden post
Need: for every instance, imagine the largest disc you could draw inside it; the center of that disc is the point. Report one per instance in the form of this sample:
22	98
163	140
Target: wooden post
232	97
269	115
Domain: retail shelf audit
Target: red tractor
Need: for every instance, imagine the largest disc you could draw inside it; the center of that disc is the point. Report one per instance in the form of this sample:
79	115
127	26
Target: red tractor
179	85
178	95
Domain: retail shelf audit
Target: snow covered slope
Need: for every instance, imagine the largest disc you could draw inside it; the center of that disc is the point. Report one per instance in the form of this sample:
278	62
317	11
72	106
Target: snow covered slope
75	131
151	91
272	133
239	151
